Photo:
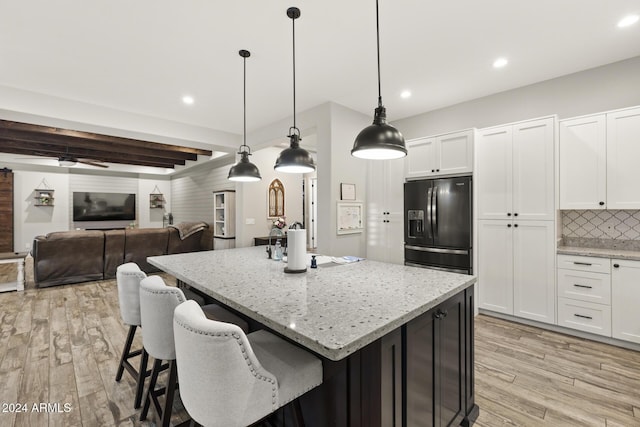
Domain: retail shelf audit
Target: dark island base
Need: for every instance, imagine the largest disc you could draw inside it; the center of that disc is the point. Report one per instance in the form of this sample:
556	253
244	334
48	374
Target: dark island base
420	374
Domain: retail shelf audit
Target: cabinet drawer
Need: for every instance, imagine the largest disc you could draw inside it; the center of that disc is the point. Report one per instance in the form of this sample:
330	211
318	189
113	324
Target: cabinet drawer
584	263
584	286
584	316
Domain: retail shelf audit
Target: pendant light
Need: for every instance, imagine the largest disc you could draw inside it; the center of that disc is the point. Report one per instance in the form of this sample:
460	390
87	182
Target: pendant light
294	159
379	140
244	170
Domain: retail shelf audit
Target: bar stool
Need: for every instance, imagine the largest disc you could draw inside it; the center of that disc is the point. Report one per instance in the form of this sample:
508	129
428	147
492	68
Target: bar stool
128	277
231	379
157	304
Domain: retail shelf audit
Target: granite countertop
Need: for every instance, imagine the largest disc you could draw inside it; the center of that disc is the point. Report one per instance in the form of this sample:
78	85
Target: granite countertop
600	252
603	248
333	311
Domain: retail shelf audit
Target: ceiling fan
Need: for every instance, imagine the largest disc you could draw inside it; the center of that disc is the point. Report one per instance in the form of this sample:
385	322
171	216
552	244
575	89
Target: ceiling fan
72	161
68	160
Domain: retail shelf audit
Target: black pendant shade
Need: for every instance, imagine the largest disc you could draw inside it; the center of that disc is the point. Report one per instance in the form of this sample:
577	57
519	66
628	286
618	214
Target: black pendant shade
294	159
244	170
379	140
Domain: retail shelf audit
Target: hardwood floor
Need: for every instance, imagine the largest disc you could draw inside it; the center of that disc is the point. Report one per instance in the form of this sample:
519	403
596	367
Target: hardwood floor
62	345
527	376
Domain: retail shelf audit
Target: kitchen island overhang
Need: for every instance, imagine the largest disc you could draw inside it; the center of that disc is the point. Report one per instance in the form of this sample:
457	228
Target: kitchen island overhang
370	321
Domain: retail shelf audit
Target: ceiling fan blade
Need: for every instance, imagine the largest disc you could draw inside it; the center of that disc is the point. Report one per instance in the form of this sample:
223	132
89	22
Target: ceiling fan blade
92	163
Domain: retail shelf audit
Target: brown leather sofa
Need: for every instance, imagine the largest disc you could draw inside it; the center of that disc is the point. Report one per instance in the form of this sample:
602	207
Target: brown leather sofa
66	257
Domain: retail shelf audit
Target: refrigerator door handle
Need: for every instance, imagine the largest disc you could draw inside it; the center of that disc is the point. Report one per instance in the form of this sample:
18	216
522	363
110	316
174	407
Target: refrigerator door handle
434	211
429	226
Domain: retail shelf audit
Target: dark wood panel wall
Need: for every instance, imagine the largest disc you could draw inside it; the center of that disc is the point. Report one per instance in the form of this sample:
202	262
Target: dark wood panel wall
6	210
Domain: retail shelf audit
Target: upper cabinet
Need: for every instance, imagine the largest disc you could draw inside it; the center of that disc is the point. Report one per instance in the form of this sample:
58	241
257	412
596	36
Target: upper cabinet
583	163
449	154
598	161
515	171
623	152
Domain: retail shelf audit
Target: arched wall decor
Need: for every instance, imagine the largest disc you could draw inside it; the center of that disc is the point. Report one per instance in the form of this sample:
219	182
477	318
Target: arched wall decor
275	197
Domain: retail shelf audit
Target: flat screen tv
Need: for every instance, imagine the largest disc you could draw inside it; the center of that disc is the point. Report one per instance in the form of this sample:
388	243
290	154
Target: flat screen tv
91	206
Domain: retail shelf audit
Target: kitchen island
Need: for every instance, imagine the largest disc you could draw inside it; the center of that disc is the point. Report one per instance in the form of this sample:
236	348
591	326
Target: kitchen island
396	341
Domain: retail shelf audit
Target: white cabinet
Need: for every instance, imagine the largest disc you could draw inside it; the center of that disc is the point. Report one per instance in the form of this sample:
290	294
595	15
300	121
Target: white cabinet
384	211
625	295
584	294
224	210
583	163
517	268
598	161
623	152
495	266
449	154
515	171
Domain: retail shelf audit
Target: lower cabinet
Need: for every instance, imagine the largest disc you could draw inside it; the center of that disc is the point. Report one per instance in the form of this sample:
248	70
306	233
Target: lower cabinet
600	296
516	271
438	357
420	374
584	294
625	296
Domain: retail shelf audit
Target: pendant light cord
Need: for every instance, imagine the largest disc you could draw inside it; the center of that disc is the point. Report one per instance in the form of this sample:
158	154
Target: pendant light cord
378	43
293	20
244	101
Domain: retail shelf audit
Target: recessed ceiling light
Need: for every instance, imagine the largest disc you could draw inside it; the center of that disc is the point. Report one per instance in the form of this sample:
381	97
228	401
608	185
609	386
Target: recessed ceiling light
187	99
628	20
405	94
500	62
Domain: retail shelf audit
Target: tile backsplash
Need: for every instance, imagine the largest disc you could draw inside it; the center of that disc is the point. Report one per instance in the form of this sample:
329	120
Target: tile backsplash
617	225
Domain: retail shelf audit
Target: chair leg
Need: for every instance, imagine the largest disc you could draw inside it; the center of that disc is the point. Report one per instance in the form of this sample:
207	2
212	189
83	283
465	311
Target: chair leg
125	351
297	413
152	385
142	375
171	389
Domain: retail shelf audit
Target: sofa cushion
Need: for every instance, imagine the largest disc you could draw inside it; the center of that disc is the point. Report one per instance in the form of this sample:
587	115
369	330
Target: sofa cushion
141	243
113	252
177	245
68	257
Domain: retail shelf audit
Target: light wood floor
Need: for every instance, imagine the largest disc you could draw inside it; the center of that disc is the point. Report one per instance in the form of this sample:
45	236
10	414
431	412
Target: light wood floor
62	345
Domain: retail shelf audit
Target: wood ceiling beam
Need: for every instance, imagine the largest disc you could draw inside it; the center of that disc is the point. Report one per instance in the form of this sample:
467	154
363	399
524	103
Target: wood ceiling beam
10	147
29	138
74	135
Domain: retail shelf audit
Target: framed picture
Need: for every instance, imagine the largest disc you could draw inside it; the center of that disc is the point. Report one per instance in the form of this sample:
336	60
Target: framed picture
350	218
347	191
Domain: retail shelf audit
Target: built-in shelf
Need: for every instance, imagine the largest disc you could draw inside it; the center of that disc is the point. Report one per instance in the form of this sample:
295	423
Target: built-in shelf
224	223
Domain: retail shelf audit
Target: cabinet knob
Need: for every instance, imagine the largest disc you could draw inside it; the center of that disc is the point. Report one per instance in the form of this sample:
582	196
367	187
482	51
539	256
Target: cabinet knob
515	225
515	214
509	225
433	170
601	203
616	265
437	170
508	213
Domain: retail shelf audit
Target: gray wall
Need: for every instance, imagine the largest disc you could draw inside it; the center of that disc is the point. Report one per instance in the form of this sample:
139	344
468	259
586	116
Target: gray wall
599	89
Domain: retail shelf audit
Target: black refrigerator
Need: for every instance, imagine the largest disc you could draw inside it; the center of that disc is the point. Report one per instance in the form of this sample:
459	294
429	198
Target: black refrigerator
438	224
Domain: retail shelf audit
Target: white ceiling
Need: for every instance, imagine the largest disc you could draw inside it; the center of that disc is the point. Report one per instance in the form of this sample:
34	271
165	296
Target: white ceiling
142	56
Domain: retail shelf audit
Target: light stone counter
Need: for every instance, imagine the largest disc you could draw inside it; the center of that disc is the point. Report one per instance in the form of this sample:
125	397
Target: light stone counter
332	310
600	252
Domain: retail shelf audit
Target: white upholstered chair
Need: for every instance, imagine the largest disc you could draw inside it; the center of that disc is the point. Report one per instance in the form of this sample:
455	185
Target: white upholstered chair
157	304
230	379
128	277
